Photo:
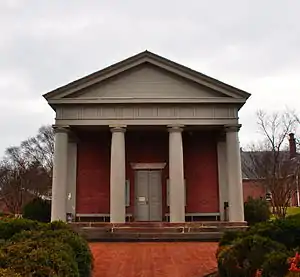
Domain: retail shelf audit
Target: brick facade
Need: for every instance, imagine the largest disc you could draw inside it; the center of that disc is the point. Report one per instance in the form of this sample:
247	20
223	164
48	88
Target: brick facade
201	172
93	173
253	188
93	168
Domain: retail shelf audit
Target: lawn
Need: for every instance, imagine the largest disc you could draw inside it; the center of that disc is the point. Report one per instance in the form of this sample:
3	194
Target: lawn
290	211
293	211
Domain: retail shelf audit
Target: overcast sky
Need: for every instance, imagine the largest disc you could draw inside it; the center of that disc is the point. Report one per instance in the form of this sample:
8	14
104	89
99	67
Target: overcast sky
253	45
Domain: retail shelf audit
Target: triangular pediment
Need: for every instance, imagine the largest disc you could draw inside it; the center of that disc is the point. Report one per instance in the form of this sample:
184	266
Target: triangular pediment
144	77
146	81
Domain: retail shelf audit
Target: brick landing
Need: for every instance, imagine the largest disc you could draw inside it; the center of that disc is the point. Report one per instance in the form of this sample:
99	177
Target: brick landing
175	259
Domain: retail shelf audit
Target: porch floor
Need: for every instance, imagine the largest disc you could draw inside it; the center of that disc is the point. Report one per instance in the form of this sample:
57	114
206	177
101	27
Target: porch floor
149	259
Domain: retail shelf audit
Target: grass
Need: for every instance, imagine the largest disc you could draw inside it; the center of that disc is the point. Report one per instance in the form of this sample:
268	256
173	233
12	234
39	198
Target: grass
293	211
290	211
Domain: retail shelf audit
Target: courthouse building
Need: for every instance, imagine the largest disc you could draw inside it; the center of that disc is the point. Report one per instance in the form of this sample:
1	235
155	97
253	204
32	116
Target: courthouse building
147	139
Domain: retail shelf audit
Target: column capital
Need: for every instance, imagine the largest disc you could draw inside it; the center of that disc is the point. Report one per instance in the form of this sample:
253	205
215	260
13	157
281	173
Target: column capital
175	128
117	128
232	128
61	128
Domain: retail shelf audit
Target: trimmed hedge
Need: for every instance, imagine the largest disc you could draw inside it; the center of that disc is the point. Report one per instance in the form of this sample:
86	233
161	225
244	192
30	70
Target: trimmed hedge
38	249
285	231
246	255
276	264
83	255
6	272
229	236
10	227
39	258
265	247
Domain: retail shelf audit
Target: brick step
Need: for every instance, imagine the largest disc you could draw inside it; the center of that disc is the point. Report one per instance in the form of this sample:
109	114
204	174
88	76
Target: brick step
161	229
203	236
160	224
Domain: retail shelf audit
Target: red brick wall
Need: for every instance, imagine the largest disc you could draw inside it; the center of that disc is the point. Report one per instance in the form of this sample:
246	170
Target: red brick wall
146	147
93	172
93	168
253	188
201	172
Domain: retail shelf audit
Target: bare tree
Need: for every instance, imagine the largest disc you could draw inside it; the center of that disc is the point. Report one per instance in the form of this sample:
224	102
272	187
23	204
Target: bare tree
270	161
26	171
40	148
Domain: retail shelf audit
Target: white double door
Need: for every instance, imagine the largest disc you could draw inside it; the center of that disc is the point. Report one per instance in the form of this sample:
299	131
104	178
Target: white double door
148	195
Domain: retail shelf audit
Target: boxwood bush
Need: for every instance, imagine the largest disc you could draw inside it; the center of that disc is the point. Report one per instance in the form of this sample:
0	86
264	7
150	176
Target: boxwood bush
246	255
39	258
265	247
10	227
276	264
83	255
7	272
39	249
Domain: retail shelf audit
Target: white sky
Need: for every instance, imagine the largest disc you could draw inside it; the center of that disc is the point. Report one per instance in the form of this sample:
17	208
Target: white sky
253	45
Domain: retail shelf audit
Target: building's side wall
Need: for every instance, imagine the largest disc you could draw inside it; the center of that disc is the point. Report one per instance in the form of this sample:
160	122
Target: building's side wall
201	172
93	173
253	189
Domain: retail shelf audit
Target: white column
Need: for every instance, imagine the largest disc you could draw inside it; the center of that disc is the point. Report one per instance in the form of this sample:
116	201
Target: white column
222	175
117	176
72	177
234	175
60	169
176	175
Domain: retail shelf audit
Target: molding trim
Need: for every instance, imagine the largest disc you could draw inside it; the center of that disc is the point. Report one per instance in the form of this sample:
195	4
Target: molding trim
232	128
61	129
175	128
154	100
147	115
115	129
141	166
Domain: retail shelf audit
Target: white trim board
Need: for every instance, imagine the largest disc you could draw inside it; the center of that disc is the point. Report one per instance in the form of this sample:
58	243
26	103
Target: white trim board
145	166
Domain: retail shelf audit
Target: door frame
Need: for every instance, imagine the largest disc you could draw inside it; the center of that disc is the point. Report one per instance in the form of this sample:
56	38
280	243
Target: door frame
147	167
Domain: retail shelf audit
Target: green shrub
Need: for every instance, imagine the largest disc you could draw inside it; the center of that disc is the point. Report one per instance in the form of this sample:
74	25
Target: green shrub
256	210
10	227
83	255
241	254
285	231
58	225
6	272
276	264
229	236
246	255
39	258
38	209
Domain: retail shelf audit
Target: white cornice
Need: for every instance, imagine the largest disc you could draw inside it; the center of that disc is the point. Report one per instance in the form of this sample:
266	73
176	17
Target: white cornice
128	100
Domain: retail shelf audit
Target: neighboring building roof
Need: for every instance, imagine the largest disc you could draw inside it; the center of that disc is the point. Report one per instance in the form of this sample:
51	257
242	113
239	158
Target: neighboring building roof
249	166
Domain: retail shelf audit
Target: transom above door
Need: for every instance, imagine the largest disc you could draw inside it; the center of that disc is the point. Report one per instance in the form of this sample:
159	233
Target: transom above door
148	195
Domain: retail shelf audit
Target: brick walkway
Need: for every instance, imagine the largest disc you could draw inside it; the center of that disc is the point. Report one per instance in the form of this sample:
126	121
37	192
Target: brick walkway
185	259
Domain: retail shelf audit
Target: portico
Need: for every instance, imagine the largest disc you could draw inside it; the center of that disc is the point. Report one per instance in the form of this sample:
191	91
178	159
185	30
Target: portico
147	140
